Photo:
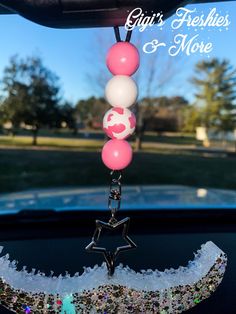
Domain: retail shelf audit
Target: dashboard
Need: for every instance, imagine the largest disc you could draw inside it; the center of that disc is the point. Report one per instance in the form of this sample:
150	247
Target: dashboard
48	240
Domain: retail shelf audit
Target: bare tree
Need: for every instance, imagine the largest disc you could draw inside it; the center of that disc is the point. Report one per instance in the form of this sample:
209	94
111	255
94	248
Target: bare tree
158	71
97	79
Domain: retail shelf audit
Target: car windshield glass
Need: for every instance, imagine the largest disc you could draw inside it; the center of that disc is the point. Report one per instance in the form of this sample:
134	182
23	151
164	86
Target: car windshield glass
52	105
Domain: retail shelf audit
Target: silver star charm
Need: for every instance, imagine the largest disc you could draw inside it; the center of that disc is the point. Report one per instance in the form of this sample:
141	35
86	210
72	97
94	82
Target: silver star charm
110	257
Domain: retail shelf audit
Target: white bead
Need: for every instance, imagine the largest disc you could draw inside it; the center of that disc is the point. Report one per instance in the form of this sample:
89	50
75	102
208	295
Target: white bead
119	123
121	91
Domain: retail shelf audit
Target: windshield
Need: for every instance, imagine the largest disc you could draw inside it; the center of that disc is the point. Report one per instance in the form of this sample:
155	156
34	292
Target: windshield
185	140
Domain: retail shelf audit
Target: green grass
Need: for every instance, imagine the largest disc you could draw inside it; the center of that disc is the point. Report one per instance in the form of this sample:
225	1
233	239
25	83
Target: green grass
175	139
26	141
95	138
59	162
26	168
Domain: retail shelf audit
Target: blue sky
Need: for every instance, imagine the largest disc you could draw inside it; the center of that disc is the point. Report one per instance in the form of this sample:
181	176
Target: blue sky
75	54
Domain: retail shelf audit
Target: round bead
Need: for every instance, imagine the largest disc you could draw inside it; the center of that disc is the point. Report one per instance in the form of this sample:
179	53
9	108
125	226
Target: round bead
123	59
117	154
119	123
121	91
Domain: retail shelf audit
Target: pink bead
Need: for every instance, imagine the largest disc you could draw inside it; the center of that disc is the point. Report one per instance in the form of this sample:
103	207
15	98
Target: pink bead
117	154
123	59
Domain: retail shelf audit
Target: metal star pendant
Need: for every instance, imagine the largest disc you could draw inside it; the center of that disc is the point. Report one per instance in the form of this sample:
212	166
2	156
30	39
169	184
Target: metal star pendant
110	257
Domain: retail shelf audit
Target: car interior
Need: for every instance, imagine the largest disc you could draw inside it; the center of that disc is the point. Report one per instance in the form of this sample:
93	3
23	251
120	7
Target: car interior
51	239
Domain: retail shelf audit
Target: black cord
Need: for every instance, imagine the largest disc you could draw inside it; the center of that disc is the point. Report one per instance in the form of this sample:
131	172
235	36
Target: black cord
128	36
117	34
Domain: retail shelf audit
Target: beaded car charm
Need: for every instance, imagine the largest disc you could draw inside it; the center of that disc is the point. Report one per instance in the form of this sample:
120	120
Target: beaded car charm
114	289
